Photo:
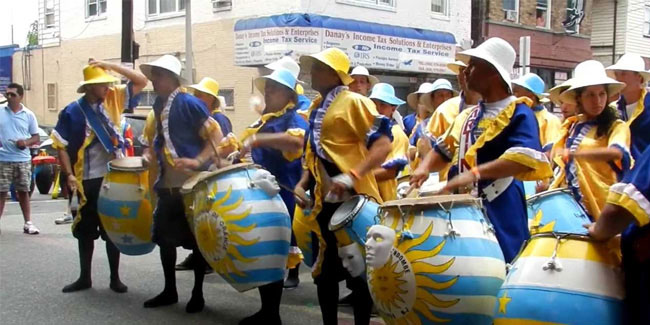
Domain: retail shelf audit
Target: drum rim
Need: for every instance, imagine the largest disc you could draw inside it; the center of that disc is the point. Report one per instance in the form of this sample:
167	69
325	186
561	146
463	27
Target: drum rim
126	169
430	200
546	193
553	235
351	214
200	177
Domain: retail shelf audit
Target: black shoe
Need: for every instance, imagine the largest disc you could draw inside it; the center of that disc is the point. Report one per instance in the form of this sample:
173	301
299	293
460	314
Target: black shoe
185	264
346	301
292	280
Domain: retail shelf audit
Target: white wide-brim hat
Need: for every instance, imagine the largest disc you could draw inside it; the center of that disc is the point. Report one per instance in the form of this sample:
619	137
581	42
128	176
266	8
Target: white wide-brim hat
498	53
630	62
439	84
167	62
286	62
590	73
456	66
413	98
554	93
362	71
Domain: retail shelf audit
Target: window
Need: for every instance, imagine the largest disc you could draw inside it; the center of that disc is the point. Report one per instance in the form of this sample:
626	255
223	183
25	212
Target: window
511	10
646	22
440	7
95	7
146	98
51	96
229	95
161	7
382	4
49	13
574	15
221	5
543	14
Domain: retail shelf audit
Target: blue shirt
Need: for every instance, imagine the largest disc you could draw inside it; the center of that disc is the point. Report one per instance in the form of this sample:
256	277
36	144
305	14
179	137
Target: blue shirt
16	126
409	123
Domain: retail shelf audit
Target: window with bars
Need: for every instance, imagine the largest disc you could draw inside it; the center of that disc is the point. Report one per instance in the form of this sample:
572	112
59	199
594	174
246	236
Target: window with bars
50	19
440	7
95	8
51	96
543	14
229	95
378	3
511	10
146	98
161	7
646	22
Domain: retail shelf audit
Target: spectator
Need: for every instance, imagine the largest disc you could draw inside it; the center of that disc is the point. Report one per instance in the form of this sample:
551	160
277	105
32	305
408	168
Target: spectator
19	131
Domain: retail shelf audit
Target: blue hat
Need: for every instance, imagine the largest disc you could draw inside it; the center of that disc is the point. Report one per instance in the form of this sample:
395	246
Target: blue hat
281	76
532	83
385	93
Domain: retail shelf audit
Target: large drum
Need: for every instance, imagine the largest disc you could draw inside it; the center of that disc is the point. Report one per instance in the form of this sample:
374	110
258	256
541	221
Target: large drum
556	211
445	266
124	206
562	279
241	226
350	222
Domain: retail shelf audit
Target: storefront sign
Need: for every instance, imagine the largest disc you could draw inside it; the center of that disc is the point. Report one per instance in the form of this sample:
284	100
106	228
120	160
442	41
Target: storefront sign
5	67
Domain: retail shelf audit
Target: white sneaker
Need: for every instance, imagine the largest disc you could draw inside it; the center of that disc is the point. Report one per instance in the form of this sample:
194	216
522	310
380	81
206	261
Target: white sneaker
63	220
30	229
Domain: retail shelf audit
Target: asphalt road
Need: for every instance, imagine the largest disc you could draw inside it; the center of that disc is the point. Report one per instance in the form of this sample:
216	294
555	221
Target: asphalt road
34	269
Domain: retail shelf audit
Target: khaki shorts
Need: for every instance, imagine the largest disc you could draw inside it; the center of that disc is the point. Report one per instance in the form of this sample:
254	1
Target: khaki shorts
17	173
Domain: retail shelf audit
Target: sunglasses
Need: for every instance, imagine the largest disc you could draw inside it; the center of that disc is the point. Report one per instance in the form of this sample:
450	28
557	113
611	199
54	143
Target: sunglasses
11	95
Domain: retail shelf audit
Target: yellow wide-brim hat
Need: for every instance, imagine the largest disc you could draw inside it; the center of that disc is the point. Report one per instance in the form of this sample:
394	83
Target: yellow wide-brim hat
208	86
333	58
95	75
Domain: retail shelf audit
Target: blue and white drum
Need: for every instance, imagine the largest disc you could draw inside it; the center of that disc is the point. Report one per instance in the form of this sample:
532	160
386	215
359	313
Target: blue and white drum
446	265
351	221
556	211
241	224
562	279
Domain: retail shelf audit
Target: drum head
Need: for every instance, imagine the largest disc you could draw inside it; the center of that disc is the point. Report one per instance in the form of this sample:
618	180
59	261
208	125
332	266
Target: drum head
190	183
547	193
432	200
128	164
346	212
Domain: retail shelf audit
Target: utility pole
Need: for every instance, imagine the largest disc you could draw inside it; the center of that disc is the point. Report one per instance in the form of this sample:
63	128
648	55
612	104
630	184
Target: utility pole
127	33
189	58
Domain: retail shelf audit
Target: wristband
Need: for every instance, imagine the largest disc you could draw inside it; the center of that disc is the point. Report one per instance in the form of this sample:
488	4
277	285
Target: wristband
476	173
355	174
565	155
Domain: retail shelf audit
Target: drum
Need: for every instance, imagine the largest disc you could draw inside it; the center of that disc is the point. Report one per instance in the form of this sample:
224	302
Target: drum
562	279
350	222
445	266
124	206
530	188
242	231
556	211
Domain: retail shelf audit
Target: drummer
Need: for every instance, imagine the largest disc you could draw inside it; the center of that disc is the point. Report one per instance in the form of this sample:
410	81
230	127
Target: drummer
363	81
207	90
593	148
276	142
628	203
498	146
87	137
567	109
302	102
444	116
416	101
383	95
347	139
184	141
532	87
634	103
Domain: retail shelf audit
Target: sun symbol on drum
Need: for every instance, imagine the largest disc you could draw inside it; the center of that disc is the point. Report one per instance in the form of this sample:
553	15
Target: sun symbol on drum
402	289
218	234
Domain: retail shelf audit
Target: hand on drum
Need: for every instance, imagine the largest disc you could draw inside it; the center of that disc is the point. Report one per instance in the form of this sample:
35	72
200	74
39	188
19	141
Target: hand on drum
461	180
186	163
302	198
418	177
339	190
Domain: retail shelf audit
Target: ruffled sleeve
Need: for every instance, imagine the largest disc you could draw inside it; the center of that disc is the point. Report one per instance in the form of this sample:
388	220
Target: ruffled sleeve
633	192
397	158
620	138
61	133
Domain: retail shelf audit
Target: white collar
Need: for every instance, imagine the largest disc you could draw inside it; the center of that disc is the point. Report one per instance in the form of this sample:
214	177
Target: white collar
493	109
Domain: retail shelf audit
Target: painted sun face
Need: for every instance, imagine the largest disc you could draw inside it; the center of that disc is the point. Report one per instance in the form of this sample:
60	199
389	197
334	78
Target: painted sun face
379	241
352	259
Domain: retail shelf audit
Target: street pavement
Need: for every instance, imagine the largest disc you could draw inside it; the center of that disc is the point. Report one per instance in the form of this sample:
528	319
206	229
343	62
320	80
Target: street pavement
34	269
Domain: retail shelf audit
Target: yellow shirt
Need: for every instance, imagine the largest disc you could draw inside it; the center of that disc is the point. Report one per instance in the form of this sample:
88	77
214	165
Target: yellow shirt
396	159
590	180
549	127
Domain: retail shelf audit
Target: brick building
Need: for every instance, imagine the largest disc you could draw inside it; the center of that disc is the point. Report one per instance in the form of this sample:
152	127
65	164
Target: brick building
555	48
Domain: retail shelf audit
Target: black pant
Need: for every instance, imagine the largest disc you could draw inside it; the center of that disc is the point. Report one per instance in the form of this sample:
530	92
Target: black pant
87	224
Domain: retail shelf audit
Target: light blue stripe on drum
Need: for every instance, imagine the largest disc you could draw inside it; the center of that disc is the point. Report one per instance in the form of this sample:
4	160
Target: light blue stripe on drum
560	207
263	275
473	319
133	250
113	209
463	247
271	219
530	188
542	304
476	285
270	247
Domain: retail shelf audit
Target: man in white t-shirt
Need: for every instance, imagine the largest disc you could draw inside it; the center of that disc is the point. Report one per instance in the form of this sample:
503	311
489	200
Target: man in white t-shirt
18	132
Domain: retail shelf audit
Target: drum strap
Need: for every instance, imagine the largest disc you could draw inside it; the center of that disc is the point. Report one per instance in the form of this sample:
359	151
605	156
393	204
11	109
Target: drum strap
496	188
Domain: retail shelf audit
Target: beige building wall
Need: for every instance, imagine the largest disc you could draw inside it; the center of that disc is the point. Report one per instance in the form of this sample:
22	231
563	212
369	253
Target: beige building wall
213	57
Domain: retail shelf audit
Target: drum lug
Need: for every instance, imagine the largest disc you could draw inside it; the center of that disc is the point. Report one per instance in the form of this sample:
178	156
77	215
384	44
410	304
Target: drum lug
487	227
451	232
106	186
553	264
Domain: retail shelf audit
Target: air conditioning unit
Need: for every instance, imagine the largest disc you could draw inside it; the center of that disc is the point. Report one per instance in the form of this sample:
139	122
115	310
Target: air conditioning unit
221	5
511	15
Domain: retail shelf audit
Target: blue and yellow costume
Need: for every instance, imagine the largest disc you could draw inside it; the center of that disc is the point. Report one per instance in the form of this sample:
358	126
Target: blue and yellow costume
397	160
223	120
509	133
589	180
638	122
410	121
549	127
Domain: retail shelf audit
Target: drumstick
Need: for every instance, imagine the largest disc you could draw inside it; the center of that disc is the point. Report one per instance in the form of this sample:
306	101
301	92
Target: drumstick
290	190
216	151
411	188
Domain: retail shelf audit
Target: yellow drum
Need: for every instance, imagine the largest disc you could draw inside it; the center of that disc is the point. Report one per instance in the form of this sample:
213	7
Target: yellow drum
124	206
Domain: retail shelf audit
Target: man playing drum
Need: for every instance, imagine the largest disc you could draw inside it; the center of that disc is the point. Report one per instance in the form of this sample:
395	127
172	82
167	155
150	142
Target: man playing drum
498	146
185	139
346	141
87	137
